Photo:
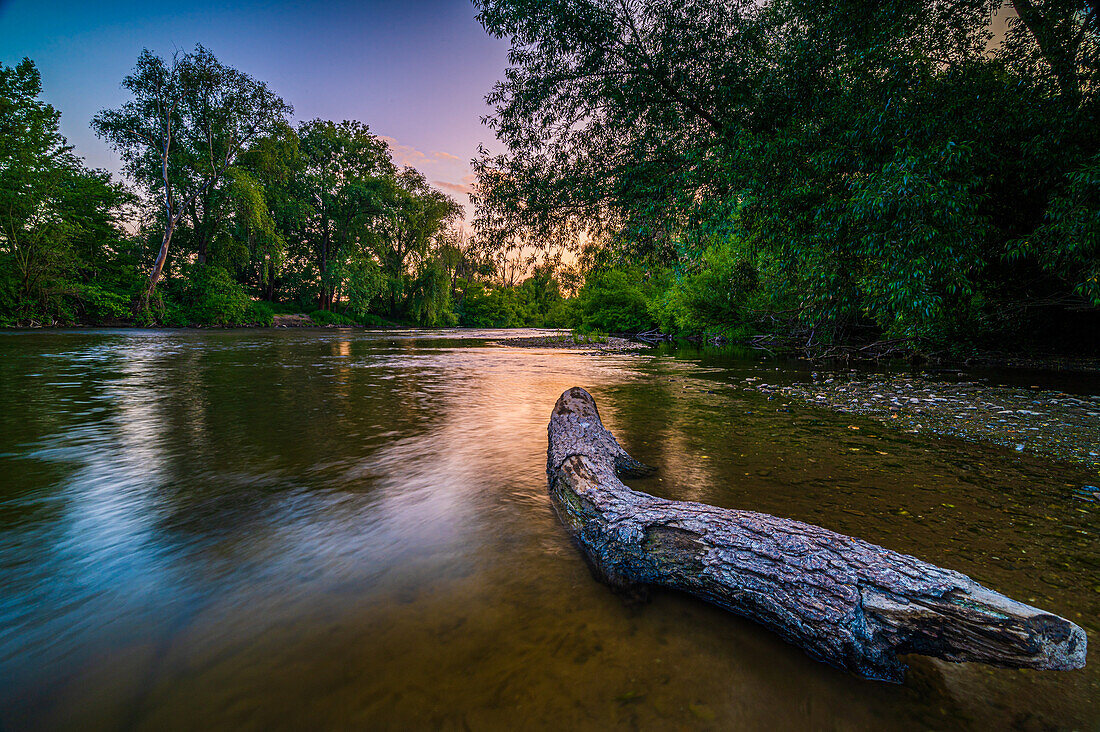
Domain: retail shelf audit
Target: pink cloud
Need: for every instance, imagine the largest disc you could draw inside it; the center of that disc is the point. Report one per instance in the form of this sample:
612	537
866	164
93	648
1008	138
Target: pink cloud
456	188
445	169
409	155
404	154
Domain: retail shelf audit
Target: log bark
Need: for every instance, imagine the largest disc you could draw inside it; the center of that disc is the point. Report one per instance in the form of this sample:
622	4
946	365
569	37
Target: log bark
847	602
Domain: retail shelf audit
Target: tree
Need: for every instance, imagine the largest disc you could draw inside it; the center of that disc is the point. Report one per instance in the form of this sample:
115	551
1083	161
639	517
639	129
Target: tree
883	167
56	217
1065	35
343	177
413	217
187	122
271	165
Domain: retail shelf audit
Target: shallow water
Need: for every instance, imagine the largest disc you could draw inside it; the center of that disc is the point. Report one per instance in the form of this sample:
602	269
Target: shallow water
332	529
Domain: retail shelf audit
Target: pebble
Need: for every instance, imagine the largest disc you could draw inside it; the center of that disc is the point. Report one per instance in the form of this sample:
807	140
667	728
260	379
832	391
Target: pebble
1057	425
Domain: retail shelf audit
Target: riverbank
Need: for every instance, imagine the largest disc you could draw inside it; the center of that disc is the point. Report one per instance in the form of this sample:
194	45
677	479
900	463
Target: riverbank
293	320
593	344
1044	422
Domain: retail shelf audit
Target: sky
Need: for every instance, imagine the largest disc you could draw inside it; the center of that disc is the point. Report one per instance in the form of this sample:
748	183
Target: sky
415	71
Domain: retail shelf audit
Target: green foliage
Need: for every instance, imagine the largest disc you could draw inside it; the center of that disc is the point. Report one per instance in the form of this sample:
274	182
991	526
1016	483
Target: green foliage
542	302
410	226
102	304
1067	243
429	301
250	234
363	283
371	320
535	302
854	169
485	306
259	313
614	301
239	208
185	124
708	297
328	317
899	175
239	205
208	295
334	197
58	220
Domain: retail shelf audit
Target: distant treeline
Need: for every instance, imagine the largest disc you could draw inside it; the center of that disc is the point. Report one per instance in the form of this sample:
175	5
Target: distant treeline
233	215
827	173
814	173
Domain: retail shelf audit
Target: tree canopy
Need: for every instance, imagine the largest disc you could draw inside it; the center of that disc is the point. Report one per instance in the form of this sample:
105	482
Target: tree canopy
59	222
234	206
188	120
889	165
813	173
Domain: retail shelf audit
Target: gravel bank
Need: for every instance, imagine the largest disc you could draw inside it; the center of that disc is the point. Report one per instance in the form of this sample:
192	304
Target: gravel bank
1041	421
611	344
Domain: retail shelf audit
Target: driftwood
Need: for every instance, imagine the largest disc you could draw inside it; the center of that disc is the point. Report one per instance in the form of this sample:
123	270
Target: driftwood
847	602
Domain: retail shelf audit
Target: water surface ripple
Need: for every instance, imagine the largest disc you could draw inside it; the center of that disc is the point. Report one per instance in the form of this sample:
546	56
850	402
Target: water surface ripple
343	529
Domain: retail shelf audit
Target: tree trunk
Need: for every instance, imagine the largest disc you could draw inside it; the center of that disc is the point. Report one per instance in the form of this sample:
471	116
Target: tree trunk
322	297
845	601
269	285
158	270
1059	54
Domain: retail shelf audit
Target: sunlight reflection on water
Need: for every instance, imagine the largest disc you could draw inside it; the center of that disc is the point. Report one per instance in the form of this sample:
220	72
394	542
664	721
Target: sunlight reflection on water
345	528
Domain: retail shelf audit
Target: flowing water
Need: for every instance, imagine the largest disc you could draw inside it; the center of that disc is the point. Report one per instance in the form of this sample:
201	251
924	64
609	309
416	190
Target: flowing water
281	529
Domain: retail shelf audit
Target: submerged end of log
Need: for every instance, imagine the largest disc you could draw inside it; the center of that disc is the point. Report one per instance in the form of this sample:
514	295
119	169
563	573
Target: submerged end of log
846	601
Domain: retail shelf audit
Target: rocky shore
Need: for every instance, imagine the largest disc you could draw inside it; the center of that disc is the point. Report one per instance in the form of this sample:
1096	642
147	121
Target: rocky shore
610	344
1040	421
293	320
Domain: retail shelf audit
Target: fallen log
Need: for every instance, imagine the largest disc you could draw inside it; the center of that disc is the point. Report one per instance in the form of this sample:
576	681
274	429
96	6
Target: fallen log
845	601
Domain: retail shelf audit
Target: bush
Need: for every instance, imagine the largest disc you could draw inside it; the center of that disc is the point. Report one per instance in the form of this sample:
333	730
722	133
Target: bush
540	299
102	304
485	306
171	315
259	313
563	314
370	320
613	301
208	295
711	297
328	317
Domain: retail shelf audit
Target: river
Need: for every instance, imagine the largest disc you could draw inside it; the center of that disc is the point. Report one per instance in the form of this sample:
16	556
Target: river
288	529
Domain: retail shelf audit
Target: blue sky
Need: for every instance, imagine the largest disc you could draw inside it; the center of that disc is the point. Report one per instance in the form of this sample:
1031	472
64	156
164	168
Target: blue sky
415	71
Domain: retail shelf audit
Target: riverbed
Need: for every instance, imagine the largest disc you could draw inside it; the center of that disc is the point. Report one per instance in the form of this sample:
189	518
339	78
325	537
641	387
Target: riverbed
286	529
1063	426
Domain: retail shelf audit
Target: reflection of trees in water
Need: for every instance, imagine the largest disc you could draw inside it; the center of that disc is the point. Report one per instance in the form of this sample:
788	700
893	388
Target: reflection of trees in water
254	434
661	424
369	511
